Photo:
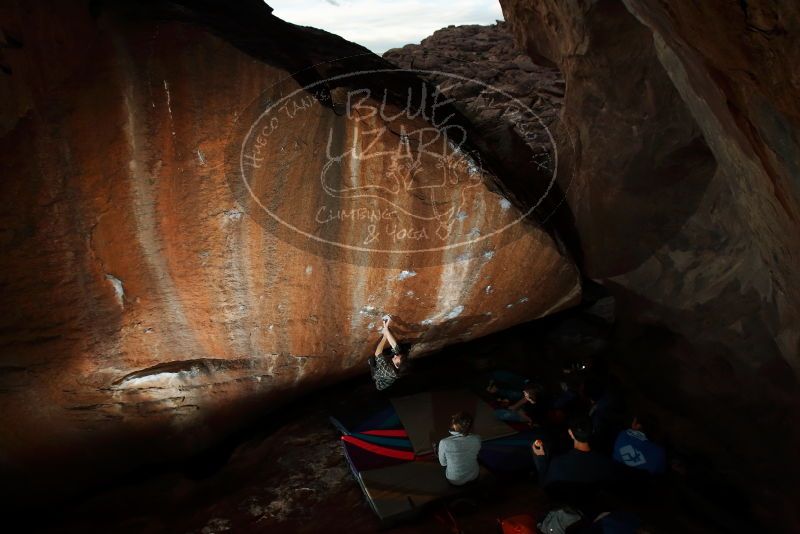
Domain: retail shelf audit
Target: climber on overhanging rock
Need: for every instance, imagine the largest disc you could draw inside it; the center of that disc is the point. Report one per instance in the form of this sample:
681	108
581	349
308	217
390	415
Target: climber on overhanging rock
386	368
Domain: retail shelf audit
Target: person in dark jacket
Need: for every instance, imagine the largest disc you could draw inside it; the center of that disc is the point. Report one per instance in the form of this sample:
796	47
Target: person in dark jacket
532	407
580	470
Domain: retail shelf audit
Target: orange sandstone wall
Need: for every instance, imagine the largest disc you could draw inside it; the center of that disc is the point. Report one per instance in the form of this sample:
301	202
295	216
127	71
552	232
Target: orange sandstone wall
147	293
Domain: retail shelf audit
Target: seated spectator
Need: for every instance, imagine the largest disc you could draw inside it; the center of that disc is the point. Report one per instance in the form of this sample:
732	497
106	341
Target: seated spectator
581	465
506	386
459	452
602	411
634	448
532	408
599	403
566	396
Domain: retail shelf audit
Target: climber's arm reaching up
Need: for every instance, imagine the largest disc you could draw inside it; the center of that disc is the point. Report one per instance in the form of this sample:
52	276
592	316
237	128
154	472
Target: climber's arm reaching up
387	334
381	344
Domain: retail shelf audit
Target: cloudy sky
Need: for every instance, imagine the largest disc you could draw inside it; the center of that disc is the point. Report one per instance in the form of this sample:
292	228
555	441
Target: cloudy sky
383	24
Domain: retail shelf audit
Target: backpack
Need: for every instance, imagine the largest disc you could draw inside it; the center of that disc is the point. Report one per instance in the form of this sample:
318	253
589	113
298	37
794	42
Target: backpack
557	521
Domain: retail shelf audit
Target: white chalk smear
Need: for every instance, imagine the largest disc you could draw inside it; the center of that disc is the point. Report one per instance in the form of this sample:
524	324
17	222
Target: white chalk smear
406	274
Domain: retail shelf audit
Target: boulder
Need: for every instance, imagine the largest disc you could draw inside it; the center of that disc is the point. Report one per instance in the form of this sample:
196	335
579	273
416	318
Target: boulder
684	193
205	214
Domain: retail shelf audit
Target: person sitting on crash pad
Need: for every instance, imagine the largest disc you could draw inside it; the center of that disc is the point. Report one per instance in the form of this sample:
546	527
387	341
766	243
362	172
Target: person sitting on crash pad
532	408
634	447
459	452
506	386
387	368
581	465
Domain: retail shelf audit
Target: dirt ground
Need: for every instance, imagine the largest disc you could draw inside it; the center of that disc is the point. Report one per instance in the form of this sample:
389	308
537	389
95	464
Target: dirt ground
288	473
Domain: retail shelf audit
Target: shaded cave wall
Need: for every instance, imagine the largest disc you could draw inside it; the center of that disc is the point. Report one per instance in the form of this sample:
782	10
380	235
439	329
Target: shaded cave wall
685	198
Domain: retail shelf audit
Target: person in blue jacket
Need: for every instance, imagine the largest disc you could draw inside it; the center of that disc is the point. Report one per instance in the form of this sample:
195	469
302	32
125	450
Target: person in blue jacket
634	448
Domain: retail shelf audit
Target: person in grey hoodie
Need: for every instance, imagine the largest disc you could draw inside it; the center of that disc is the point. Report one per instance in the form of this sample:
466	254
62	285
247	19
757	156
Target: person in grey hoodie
459	452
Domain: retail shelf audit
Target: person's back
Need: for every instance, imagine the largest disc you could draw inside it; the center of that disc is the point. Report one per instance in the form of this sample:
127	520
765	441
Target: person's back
633	448
384	372
585	467
575	475
459	452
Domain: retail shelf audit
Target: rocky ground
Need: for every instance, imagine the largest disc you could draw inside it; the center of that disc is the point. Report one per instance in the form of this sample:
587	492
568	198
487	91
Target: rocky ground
287	473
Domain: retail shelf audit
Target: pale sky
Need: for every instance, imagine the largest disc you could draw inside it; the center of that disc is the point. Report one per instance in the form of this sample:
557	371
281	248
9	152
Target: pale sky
383	24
